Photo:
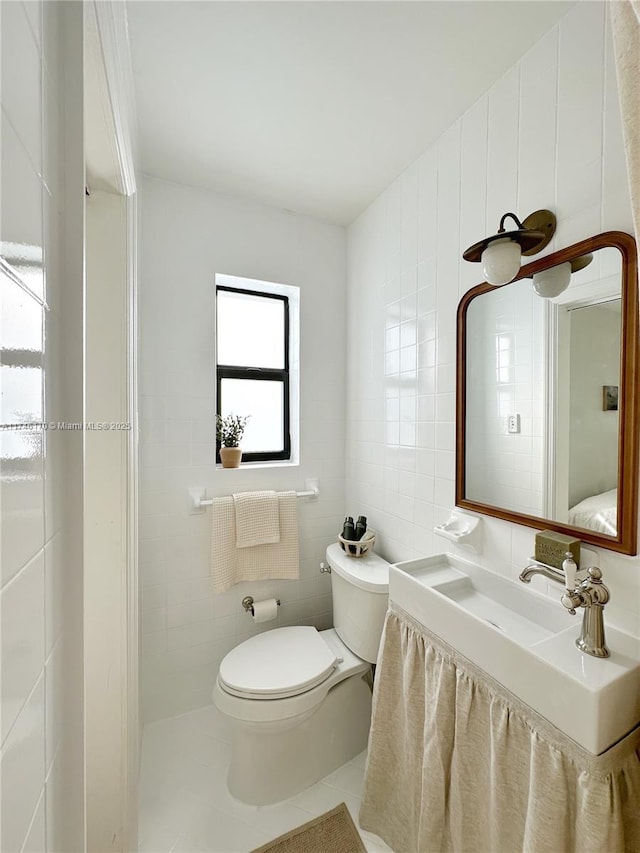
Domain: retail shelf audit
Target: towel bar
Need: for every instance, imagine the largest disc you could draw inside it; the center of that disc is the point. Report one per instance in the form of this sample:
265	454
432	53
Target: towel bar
197	500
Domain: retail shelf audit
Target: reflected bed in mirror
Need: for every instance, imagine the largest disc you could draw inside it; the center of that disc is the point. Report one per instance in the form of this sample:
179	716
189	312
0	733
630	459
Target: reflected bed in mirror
547	425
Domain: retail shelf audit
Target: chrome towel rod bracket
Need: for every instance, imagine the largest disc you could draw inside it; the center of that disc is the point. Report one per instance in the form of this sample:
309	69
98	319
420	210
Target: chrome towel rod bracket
198	500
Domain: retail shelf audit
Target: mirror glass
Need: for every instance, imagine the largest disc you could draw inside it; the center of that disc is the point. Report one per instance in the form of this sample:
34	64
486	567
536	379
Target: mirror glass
543	393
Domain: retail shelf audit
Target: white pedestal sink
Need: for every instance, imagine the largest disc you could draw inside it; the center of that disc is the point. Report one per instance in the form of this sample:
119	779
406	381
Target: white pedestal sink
526	641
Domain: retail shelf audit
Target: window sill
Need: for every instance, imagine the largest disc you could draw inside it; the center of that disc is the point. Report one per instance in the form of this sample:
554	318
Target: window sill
276	463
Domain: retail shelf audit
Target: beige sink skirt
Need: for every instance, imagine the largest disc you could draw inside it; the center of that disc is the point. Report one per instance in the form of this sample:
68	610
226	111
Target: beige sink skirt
457	763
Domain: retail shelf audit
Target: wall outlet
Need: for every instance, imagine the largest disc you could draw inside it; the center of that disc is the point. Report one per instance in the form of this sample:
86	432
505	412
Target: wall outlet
513	423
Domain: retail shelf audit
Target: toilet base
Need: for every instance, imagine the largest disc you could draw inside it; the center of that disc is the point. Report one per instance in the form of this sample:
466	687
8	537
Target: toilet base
271	761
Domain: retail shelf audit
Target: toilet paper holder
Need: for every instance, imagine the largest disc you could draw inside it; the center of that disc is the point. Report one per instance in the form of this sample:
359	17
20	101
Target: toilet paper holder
247	603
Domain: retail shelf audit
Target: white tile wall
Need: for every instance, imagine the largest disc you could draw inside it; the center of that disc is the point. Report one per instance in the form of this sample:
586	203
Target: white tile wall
186	237
33	587
546	135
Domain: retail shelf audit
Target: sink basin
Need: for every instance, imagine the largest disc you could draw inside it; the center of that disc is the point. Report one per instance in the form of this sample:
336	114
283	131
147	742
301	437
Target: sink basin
504	606
526	641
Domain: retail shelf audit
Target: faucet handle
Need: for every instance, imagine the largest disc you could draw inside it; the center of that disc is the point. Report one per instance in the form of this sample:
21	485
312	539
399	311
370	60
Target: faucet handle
570	569
570	601
598	592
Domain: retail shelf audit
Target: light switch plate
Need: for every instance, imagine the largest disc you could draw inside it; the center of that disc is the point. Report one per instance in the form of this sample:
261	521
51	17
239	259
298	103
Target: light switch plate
513	423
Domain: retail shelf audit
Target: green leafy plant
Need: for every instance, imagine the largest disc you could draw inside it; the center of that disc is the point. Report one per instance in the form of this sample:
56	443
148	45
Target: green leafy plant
230	429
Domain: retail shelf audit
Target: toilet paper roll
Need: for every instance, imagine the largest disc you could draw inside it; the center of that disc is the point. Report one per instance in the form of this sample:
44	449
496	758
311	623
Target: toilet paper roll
265	611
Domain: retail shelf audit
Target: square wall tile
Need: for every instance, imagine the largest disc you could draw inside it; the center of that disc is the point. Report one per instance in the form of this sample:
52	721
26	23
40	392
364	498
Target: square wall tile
22	771
22	77
21	218
22	533
22	606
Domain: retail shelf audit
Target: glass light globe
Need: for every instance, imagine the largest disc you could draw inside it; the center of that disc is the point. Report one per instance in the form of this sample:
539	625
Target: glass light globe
501	261
552	282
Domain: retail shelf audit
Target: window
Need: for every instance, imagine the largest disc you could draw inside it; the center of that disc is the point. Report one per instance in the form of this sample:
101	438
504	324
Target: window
252	340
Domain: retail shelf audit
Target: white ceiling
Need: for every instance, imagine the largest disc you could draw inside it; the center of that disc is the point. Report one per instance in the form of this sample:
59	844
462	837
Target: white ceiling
313	106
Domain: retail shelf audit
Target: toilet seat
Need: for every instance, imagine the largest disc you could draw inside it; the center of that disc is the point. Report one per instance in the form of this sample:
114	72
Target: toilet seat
277	664
245	708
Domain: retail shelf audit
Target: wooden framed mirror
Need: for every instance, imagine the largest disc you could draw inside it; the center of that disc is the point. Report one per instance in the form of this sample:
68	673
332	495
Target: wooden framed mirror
547	395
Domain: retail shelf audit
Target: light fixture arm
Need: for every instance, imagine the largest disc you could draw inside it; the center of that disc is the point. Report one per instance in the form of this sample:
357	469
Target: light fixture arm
506	216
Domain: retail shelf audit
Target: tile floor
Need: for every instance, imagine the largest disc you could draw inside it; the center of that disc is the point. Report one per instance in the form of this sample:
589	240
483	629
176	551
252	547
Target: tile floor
185	806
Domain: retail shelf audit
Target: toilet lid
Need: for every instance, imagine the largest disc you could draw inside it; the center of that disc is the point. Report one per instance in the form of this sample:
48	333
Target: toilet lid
279	663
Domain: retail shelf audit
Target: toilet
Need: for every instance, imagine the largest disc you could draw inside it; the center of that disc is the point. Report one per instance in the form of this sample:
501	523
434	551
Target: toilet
299	699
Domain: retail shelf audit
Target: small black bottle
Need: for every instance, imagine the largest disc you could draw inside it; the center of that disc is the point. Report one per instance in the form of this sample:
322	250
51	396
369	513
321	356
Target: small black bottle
361	526
349	530
349	533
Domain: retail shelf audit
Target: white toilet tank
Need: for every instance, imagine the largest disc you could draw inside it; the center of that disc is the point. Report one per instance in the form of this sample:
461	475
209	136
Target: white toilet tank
360	591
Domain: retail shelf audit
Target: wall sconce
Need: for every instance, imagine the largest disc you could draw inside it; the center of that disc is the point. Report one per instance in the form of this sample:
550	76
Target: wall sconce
552	282
501	255
555	280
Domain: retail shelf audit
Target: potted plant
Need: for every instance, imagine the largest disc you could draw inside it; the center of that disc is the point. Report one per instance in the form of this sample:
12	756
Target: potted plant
229	432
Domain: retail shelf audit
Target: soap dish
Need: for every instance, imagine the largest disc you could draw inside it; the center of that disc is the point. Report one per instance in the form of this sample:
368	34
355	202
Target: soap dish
360	547
463	529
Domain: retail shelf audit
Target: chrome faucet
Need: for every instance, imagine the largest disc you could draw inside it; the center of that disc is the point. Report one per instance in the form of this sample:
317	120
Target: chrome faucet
590	593
536	568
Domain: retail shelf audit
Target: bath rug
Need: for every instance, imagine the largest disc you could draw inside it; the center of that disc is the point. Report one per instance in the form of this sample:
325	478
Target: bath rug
334	830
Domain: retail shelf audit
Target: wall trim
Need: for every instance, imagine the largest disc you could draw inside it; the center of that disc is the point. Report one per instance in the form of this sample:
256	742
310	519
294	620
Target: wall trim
107	50
113	31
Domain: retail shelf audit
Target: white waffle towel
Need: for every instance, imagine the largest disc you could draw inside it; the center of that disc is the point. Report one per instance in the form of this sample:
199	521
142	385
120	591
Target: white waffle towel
257	519
231	565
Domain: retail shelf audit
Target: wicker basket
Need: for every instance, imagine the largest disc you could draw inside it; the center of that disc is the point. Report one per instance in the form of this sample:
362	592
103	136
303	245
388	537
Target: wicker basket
359	548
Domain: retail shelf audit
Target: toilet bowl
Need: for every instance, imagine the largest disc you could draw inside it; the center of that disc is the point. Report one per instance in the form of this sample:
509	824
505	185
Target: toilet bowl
299	699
